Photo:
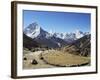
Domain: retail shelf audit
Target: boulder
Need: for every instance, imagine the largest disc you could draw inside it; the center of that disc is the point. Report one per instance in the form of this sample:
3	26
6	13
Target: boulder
34	62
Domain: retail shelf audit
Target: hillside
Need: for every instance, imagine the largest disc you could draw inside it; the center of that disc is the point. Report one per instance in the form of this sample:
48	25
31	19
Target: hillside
29	43
80	46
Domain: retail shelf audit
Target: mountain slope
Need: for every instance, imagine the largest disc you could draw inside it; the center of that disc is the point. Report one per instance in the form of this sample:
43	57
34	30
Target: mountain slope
29	43
81	46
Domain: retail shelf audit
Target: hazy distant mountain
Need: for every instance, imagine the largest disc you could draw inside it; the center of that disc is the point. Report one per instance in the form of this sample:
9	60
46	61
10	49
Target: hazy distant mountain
70	37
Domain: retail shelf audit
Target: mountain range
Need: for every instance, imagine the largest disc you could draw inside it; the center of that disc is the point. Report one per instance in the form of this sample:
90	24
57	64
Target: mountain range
52	40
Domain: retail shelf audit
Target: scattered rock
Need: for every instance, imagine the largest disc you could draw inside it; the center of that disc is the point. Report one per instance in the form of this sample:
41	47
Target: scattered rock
34	62
41	57
25	58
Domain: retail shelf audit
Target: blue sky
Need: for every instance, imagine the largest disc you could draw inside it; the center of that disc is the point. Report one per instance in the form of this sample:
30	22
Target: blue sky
58	21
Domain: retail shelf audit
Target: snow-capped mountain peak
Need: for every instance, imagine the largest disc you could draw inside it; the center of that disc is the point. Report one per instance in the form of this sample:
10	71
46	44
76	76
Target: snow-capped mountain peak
59	35
79	34
33	30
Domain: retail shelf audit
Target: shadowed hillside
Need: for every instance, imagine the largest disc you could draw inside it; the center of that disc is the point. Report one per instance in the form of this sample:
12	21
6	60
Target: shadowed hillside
29	43
80	46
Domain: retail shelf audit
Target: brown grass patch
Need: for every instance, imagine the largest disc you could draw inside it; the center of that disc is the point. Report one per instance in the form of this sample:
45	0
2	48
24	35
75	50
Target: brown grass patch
62	58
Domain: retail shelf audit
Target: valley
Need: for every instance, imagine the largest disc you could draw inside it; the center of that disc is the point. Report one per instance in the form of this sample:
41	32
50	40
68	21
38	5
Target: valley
53	58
